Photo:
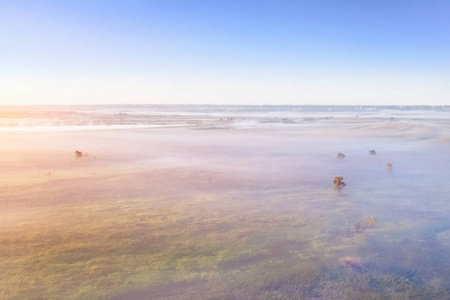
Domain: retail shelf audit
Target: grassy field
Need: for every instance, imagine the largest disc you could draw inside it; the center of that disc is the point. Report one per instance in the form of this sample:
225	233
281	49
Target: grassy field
167	218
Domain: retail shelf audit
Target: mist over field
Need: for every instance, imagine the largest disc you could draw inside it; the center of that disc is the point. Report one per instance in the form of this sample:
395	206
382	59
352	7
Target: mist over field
224	202
224	150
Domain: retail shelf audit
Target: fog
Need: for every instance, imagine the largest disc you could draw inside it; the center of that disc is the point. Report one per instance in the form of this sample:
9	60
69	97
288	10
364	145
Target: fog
233	206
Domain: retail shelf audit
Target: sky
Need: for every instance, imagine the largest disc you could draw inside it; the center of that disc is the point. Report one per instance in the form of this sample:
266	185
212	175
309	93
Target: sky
330	52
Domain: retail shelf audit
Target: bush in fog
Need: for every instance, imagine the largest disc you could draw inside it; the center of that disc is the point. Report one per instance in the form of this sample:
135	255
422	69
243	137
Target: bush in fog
389	166
340	155
338	180
372	152
370	221
338	183
78	154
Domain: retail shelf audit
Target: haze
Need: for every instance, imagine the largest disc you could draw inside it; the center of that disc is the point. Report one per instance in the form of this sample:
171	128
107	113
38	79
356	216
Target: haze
224	202
228	52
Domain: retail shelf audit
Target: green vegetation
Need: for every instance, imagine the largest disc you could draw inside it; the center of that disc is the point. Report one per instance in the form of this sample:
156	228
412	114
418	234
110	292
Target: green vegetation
104	229
203	246
96	249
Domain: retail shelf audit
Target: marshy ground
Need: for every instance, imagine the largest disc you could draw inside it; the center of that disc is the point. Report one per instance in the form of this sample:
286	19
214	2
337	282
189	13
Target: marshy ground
234	213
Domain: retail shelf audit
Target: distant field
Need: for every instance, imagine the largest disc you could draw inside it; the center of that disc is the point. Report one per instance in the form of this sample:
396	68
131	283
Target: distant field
231	212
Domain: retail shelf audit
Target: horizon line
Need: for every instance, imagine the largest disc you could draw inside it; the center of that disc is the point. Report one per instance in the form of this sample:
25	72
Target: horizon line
250	105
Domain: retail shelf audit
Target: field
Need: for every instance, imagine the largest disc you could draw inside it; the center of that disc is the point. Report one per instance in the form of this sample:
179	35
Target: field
215	211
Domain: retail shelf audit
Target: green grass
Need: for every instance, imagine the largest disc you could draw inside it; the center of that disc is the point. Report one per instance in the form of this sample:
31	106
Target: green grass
98	250
231	246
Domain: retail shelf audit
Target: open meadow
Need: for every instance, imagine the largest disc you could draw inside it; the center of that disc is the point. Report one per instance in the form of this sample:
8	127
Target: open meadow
224	206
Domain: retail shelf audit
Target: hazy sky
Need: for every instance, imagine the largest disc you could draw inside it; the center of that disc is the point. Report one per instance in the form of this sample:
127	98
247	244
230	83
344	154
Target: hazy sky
225	52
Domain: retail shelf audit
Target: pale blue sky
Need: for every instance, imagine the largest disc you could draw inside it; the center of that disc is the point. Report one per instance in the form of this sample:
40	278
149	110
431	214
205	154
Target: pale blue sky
225	52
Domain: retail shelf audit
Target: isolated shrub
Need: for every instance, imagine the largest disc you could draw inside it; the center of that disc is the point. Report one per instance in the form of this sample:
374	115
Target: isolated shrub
389	166
78	154
340	155
372	152
370	221
338	183
338	179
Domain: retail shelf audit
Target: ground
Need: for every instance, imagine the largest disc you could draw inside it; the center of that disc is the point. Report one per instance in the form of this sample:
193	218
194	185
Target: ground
208	212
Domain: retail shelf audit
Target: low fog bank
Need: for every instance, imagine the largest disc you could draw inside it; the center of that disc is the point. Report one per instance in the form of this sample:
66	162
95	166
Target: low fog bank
216	210
64	118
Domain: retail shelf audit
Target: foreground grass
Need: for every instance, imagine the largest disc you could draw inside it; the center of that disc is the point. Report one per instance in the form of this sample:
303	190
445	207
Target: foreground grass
95	250
104	243
231	248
